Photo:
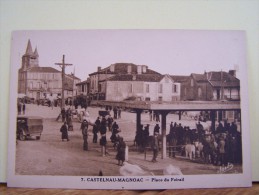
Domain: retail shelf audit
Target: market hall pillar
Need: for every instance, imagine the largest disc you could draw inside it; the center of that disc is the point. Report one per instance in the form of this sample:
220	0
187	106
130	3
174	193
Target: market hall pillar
163	127
138	119
213	120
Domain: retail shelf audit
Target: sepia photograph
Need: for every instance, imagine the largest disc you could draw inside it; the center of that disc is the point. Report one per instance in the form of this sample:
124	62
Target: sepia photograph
129	109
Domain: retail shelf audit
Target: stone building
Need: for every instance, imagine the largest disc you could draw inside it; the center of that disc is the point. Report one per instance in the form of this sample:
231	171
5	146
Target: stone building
145	87
98	85
211	86
83	87
39	82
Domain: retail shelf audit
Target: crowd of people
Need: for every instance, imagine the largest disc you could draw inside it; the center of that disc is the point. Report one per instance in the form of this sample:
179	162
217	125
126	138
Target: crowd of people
142	137
101	125
218	147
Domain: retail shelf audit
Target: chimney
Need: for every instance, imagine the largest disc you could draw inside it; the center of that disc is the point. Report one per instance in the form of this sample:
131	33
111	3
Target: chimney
144	68
206	74
112	68
139	71
129	69
98	68
232	72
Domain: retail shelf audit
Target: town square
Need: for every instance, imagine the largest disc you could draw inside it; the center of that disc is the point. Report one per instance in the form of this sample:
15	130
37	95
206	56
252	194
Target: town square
142	107
127	114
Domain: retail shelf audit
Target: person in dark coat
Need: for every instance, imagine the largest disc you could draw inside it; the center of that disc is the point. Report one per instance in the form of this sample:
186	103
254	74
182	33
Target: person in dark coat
96	129
69	119
139	138
115	131
103	140
23	108
155	147
110	121
146	135
64	131
121	151
172	139
119	112
84	128
63	114
19	108
156	128
115	112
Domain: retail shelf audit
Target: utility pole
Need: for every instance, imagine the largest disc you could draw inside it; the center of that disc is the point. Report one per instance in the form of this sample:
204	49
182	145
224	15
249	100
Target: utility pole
63	66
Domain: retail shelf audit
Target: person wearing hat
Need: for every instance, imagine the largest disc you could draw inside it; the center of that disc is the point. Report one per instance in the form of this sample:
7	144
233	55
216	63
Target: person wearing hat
146	135
156	128
121	151
96	127
155	146
103	140
64	131
221	150
84	128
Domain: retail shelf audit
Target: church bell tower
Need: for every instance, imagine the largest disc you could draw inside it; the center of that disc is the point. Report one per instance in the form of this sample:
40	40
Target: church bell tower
30	59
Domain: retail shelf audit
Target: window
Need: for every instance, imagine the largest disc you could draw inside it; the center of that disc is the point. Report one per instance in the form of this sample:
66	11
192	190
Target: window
147	98
192	83
147	88
160	89
174	88
224	116
131	88
230	115
199	92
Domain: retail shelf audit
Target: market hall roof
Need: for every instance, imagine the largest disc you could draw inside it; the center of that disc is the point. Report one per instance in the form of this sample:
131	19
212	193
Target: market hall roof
169	106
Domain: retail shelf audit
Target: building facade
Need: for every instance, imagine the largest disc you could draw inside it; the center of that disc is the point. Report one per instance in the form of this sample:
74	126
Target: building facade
39	82
101	83
83	88
213	86
142	88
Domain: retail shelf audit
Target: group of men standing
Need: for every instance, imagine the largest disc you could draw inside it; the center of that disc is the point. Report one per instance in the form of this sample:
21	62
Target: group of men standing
100	126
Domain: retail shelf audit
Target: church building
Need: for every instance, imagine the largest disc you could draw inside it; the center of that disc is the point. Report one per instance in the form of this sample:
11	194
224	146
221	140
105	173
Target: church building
39	82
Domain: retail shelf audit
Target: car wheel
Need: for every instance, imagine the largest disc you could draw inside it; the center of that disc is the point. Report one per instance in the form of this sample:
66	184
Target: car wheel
37	137
22	137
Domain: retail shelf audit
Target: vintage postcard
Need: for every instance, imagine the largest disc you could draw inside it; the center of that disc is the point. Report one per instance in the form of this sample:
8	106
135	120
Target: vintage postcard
129	109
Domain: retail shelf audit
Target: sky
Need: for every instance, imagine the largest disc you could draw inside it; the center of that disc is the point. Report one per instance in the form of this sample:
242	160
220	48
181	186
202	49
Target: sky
174	52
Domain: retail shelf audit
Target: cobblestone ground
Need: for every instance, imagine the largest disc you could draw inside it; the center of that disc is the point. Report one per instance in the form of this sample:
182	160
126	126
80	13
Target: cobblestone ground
51	156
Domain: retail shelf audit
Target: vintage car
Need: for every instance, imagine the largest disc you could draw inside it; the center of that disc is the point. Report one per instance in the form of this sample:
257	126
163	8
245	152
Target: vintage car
28	126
